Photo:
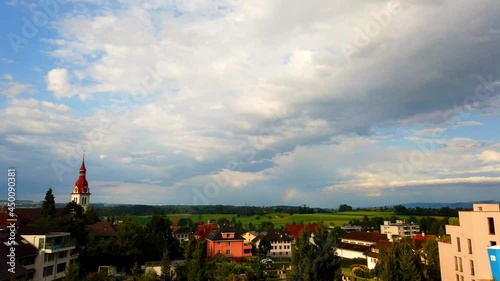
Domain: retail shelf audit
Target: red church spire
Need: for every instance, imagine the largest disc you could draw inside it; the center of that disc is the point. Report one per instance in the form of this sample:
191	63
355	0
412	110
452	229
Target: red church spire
81	184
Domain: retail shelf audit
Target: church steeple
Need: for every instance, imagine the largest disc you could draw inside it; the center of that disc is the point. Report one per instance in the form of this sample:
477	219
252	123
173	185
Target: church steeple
81	191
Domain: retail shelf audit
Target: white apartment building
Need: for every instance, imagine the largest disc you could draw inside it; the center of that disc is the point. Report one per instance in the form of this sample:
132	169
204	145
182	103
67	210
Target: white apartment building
55	251
400	228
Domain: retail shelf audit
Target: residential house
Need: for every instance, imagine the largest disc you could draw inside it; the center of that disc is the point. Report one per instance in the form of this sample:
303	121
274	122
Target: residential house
250	236
225	241
203	231
181	233
25	255
55	251
27	216
103	229
281	244
372	254
354	244
400	228
465	256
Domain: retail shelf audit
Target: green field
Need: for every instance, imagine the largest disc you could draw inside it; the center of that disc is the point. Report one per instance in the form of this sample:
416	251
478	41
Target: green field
281	219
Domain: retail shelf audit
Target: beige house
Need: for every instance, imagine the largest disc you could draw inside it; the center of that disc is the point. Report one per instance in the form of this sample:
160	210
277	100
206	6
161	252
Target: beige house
465	256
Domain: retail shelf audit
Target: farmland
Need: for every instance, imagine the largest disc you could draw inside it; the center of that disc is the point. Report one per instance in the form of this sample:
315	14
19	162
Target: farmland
281	219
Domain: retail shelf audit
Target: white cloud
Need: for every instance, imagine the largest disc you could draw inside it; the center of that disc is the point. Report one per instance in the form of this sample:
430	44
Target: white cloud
14	89
489	156
58	82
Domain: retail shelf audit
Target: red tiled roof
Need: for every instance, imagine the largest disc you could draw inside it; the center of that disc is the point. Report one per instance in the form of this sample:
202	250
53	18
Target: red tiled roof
103	229
203	230
365	236
424	237
296	229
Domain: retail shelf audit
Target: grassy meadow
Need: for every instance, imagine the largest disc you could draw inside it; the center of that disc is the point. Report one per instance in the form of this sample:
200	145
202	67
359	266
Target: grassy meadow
281	219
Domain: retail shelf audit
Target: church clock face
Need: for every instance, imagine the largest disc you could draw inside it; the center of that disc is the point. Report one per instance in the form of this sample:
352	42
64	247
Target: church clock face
76	189
85	190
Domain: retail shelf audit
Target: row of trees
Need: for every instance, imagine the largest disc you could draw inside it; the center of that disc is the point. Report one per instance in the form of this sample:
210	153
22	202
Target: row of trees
245	211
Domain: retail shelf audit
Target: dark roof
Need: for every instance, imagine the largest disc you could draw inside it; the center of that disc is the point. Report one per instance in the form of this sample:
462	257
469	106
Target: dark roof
23	248
27	230
382	244
373	237
279	236
5	275
353	247
32	215
225	228
296	229
102	229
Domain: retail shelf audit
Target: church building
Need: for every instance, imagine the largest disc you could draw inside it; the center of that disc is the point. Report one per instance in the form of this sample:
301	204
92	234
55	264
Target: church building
81	191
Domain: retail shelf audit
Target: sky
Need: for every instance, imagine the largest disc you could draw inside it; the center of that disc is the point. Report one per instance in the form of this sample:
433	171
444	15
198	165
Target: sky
284	102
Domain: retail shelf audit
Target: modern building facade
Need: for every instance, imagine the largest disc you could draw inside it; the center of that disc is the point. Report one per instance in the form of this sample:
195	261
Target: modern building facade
465	256
55	252
400	228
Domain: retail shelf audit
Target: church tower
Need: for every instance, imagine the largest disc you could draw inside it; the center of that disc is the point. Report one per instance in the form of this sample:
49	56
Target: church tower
81	191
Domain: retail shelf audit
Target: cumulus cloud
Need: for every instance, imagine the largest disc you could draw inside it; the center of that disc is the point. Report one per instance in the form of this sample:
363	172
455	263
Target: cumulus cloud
58	82
263	94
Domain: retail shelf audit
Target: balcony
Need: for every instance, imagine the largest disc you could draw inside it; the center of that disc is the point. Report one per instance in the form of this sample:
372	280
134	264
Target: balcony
56	247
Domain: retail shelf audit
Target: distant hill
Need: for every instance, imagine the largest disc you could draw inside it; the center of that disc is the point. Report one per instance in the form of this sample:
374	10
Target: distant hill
466	205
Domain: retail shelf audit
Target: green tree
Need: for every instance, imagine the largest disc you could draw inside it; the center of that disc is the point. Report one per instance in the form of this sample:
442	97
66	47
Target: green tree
73	272
345	208
430	254
315	260
74	209
399	263
165	267
366	224
49	205
264	246
91	216
196	261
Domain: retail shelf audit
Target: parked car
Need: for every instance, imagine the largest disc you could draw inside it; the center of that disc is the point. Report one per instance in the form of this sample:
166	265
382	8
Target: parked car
268	260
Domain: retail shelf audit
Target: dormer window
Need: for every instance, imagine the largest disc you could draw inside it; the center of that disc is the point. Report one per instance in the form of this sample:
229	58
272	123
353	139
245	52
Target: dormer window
228	235
76	189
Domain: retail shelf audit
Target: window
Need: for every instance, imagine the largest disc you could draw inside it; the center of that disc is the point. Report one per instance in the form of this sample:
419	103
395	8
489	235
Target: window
472	267
458	277
469	243
48	270
493	243
62	255
228	244
49	257
460	265
61	267
228	252
218	243
461	278
218	251
456	264
458	245
491	225
228	235
286	253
